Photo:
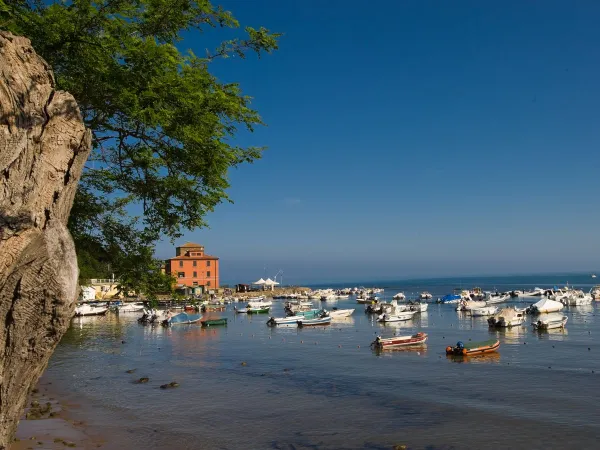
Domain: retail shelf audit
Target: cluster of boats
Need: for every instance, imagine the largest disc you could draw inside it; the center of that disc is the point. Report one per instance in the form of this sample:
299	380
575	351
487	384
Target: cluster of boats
302	313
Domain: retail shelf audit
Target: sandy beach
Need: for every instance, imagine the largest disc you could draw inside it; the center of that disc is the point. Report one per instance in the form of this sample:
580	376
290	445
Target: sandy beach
51	422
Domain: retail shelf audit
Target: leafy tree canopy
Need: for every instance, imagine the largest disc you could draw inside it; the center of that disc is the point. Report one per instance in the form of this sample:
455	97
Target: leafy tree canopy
162	125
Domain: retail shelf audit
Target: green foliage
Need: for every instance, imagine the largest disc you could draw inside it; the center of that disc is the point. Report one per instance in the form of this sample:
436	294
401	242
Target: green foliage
162	125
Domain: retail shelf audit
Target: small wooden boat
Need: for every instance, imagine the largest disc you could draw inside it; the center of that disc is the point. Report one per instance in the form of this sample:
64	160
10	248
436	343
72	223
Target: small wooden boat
214	322
258	310
399	341
182	318
473	348
87	309
310	314
240	311
312	322
339	313
485	311
398	317
550	323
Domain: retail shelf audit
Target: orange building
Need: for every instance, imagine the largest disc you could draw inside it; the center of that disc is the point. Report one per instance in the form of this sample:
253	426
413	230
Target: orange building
193	269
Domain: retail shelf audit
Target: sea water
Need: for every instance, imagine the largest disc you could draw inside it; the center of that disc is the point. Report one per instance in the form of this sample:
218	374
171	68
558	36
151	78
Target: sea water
251	386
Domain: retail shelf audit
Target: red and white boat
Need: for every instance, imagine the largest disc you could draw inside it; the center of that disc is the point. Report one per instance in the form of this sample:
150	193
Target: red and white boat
399	341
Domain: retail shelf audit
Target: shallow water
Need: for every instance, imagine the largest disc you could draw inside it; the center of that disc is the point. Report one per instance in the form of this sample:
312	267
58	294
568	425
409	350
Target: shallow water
324	388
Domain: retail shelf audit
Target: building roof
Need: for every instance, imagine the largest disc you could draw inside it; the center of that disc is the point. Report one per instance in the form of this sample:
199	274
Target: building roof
193	257
190	245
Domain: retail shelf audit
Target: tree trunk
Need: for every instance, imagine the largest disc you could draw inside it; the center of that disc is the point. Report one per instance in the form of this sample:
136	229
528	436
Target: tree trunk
43	147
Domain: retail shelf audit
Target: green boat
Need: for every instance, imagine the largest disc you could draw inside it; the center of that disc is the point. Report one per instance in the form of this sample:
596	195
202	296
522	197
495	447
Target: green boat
258	310
213	322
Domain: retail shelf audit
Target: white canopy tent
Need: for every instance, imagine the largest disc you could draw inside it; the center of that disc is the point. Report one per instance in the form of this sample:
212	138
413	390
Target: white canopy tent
260	282
270	283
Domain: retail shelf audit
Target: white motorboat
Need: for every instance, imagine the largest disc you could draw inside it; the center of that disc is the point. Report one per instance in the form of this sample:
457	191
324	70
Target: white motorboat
87	309
484	311
495	299
339	313
545	305
577	298
536	292
425	296
262	303
468	305
506	318
399	296
131	307
550	322
595	292
397	317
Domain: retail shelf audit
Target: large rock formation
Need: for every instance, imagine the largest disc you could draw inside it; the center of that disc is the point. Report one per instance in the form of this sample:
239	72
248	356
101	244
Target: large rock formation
43	147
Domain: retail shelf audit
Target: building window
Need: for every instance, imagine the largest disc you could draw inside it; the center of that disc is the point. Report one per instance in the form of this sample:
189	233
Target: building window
195	263
208	273
208	283
181	274
180	263
195	283
195	275
208	263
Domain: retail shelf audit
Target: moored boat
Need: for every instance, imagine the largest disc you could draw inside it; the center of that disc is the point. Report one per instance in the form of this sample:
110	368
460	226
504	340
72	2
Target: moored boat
338	313
473	348
312	322
425	295
397	317
399	341
545	305
258	310
550	323
86	309
484	311
506	318
182	318
214	322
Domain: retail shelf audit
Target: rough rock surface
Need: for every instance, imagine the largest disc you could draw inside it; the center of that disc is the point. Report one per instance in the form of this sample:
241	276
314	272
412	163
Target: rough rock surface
43	147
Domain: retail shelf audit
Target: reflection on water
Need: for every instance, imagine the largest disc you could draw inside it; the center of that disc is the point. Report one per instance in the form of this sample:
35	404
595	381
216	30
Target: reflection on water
284	380
488	358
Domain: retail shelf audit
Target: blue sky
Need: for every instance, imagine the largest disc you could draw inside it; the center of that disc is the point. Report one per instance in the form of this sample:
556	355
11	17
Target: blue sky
414	139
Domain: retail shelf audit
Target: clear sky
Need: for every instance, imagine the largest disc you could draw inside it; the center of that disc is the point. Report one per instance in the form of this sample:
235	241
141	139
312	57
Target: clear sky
414	138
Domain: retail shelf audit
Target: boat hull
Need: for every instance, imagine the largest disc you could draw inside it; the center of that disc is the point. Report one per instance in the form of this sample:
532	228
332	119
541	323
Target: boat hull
399	341
214	322
474	349
314	322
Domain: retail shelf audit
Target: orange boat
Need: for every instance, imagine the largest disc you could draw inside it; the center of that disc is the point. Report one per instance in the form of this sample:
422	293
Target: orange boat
473	348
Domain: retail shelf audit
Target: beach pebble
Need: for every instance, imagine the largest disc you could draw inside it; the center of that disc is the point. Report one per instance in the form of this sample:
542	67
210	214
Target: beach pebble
244	363
131	370
172	384
143	380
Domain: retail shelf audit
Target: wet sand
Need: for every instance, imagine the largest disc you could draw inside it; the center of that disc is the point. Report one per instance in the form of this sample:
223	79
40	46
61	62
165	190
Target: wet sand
49	422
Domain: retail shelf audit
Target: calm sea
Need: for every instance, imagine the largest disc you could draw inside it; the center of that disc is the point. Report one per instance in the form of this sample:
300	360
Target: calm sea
324	388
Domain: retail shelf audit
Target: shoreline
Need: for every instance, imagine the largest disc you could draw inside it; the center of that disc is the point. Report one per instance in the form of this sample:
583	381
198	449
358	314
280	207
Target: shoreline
50	422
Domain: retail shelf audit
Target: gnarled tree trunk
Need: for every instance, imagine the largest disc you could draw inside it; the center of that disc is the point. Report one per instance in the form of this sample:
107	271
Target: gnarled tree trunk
43	147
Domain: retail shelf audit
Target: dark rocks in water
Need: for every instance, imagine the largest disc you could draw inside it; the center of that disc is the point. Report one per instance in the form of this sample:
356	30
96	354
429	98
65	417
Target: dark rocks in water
172	384
122	342
143	380
131	370
244	363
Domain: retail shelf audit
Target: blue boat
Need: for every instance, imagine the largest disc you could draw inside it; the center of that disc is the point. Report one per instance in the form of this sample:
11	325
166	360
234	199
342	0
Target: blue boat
450	298
182	318
310	314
